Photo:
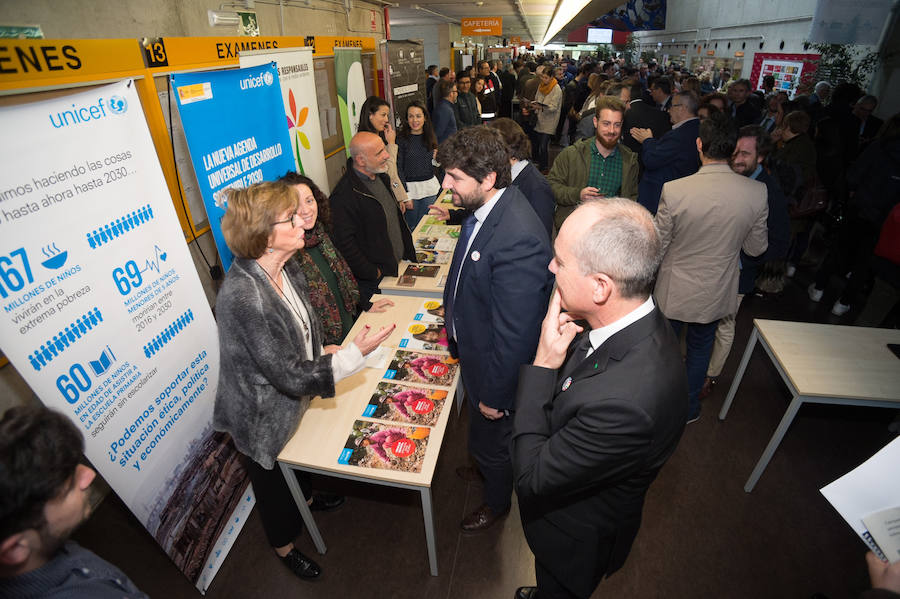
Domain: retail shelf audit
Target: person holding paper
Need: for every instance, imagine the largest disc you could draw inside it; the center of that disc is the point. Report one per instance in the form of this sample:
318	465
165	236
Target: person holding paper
272	359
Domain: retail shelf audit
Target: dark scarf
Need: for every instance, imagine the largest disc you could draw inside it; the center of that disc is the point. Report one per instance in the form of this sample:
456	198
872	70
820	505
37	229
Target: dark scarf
320	296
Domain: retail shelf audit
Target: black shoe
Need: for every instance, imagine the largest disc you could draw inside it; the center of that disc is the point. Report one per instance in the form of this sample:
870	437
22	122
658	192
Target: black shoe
527	593
481	519
326	502
301	565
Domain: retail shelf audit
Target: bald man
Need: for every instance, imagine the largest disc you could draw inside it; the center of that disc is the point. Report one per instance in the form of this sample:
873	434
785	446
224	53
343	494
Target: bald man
369	229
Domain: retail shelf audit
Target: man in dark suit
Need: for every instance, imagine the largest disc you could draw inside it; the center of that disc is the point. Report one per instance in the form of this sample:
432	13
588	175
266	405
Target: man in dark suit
592	429
494	299
642	115
672	156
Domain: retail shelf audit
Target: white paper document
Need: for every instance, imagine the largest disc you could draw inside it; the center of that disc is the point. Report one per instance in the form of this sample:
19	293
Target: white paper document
868	497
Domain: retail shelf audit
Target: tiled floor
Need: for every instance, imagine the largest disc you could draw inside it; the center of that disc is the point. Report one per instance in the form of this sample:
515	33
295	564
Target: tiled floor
702	536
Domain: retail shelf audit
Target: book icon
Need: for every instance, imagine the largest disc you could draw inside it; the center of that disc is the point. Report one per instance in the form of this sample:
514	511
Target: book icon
102	364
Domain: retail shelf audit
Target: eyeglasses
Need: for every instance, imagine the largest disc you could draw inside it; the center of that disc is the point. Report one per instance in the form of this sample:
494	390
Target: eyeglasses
294	220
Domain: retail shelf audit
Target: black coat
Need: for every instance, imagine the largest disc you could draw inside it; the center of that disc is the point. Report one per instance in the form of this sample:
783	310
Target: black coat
644	116
360	231
536	189
588	441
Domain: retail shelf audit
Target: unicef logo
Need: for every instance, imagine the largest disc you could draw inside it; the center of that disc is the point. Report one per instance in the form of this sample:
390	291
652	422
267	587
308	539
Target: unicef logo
118	104
268	78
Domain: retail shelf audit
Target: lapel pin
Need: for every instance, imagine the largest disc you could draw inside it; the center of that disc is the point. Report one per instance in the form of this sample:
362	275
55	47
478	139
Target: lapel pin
476	255
567	383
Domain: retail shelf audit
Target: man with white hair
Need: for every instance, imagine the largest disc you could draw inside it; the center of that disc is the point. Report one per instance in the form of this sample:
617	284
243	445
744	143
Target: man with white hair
369	229
591	429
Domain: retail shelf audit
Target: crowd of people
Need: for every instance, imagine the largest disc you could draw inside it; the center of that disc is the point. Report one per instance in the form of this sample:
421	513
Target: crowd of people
572	278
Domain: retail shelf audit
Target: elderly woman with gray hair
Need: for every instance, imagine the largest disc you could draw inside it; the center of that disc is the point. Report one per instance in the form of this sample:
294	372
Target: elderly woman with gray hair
272	359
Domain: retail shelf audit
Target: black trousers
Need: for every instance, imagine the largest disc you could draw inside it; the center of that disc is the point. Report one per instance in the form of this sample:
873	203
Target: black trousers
489	445
279	512
549	587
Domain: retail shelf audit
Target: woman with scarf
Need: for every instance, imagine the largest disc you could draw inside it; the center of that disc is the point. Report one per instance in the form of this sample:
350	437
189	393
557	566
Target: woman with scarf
332	289
547	103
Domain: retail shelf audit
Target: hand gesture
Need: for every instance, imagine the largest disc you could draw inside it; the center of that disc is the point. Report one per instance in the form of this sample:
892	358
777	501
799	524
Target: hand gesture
883	575
367	344
557	333
439	212
331	349
390	134
489	412
381	305
640	135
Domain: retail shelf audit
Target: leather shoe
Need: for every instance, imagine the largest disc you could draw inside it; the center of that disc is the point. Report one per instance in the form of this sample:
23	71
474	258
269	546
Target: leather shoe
469	474
527	593
326	502
301	565
481	519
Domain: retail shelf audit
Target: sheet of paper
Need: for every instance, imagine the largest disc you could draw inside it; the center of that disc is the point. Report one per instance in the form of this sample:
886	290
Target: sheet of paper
884	526
871	487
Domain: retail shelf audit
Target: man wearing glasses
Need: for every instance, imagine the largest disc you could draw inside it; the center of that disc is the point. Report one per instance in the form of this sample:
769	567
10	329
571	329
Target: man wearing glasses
672	156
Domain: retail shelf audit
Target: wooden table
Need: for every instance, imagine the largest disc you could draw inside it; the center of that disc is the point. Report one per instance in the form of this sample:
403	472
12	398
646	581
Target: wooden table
823	363
324	428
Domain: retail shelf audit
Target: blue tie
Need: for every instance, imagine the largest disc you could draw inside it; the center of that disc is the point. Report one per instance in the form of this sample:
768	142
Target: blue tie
468	225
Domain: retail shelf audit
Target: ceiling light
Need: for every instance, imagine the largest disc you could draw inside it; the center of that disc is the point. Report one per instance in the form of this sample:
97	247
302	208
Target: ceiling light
222	17
566	10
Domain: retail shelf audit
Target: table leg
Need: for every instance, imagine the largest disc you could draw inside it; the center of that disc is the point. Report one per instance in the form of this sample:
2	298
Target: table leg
305	512
774	442
428	513
751	343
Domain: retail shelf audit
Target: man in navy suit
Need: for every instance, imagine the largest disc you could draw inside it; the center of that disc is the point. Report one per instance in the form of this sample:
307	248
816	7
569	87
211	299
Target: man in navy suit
592	429
672	156
494	298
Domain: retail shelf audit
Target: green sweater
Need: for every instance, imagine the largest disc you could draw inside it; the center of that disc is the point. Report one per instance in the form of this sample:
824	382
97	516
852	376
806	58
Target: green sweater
569	176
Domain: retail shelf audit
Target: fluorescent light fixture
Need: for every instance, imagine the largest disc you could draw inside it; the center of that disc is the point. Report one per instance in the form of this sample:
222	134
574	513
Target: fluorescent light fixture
566	10
222	17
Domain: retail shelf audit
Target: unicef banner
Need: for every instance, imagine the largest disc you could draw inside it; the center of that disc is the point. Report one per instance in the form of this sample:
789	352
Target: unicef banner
351	90
235	134
104	316
298	91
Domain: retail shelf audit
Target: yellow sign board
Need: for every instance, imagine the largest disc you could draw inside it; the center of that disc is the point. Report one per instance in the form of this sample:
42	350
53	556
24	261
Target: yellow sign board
33	60
515	41
324	45
472	27
183	51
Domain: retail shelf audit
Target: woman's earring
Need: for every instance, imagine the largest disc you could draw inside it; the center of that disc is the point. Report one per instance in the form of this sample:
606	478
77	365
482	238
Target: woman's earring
269	250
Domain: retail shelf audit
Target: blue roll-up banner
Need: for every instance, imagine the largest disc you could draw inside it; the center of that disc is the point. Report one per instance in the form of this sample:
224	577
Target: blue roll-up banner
234	125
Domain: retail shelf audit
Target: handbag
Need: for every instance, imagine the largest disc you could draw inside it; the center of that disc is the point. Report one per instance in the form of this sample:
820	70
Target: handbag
813	198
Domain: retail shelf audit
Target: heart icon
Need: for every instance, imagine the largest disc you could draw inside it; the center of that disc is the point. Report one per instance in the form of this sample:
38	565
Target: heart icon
163	256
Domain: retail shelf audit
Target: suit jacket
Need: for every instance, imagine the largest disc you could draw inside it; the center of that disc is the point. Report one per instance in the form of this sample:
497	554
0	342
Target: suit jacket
537	191
704	221
779	231
501	298
672	156
645	116
584	456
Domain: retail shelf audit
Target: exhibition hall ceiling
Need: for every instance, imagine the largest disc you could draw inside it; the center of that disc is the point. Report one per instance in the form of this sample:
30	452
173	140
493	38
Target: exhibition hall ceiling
528	19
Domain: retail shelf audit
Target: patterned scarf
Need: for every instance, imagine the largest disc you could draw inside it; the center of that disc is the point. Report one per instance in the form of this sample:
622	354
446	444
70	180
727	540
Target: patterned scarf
323	301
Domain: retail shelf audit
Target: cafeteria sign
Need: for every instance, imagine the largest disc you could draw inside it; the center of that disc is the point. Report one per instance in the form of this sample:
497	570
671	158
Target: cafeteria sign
483	26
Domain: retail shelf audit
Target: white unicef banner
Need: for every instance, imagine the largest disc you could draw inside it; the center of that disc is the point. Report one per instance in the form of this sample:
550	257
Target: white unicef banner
301	107
105	318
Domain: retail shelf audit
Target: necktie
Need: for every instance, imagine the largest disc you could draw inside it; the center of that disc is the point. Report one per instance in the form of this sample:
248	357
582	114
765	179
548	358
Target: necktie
468	225
578	355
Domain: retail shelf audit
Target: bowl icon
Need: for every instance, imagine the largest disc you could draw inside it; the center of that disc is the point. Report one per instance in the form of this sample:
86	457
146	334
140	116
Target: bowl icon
56	261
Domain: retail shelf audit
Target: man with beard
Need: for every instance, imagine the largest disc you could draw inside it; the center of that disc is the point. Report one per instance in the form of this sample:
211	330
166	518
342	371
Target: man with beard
753	146
494	299
595	168
672	156
369	229
43	499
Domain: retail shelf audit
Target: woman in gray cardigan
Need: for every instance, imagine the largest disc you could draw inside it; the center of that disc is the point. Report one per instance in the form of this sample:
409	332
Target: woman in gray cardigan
272	360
